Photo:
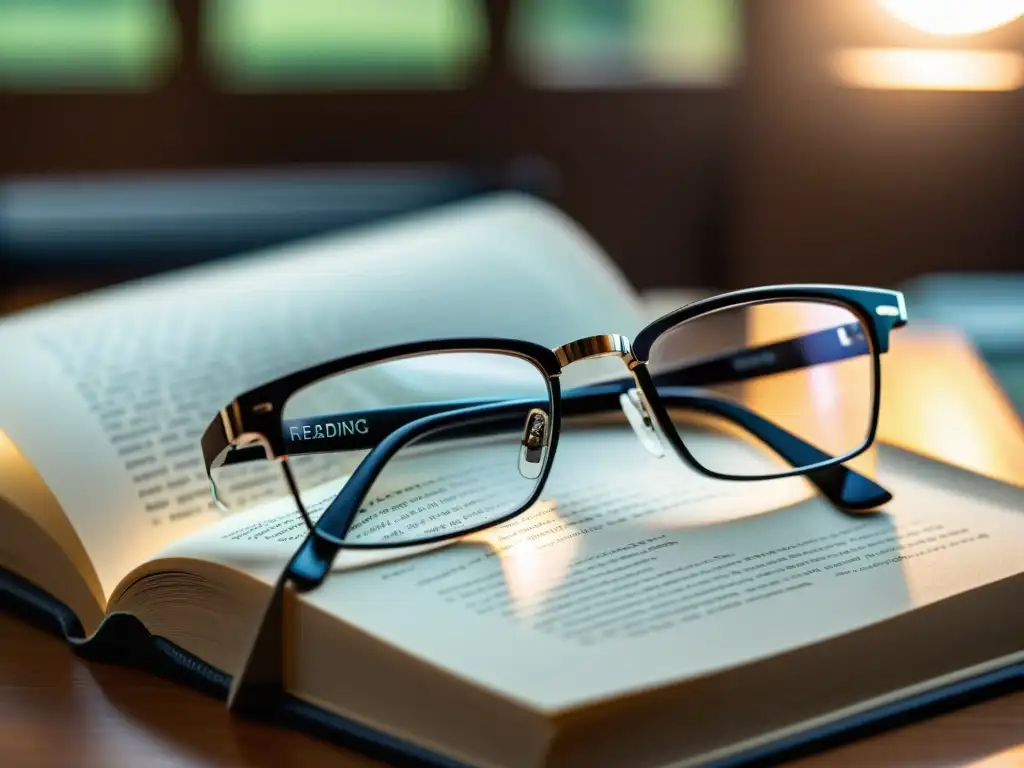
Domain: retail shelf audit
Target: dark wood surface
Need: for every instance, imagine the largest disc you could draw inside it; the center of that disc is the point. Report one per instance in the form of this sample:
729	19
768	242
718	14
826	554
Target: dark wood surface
57	709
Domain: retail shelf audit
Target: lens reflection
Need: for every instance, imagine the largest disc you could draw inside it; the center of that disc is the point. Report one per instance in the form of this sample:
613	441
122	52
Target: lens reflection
771	387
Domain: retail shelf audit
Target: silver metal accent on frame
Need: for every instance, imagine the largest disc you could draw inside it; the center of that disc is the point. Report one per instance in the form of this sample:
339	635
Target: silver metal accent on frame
596	346
887	311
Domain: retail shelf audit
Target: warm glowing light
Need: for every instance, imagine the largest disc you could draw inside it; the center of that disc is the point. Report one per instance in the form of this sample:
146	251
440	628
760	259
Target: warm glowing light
929	70
1008	758
955	17
827	405
531	571
940	399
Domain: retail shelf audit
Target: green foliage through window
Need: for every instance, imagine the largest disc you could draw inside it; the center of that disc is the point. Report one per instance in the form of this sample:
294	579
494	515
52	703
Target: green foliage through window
312	44
92	44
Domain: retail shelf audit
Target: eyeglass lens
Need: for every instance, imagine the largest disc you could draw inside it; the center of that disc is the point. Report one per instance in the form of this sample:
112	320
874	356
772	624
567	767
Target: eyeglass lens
448	475
805	366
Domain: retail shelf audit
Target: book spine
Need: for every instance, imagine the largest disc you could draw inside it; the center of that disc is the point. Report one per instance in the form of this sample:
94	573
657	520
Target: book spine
29	602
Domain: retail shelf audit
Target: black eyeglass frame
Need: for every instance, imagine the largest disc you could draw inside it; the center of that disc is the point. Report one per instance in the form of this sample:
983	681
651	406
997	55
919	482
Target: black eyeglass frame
252	426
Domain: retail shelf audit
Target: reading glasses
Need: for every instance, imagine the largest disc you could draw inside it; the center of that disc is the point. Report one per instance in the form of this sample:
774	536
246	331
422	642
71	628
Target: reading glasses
423	442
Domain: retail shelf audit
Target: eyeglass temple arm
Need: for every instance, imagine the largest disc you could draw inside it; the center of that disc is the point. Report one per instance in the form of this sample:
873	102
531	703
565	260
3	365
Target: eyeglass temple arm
360	431
310	564
469	418
844	487
841	485
323	433
829	345
353	431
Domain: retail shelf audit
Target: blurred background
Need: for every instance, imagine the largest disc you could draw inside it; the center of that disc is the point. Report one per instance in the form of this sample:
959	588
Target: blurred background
703	143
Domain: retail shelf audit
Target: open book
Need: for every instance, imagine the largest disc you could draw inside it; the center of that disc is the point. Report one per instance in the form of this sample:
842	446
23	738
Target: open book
667	620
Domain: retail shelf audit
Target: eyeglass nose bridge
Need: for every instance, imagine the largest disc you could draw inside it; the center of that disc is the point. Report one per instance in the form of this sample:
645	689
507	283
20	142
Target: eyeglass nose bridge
597	346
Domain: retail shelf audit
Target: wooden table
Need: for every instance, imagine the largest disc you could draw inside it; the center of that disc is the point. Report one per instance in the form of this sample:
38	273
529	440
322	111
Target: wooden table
57	709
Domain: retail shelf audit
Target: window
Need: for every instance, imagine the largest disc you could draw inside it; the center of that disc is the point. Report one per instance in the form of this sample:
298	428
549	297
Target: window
317	44
602	43
87	44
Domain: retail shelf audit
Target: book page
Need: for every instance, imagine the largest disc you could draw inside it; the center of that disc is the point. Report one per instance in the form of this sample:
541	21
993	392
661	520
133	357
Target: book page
108	394
633	572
